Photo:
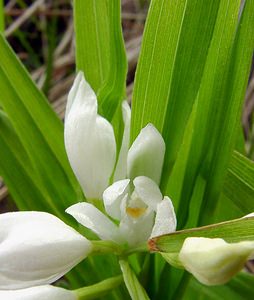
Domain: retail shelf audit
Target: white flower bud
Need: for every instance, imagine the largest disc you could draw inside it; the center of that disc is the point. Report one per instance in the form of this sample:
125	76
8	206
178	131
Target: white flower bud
214	261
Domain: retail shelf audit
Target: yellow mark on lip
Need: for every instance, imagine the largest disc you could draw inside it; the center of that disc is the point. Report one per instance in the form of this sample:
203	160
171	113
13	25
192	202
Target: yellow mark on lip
135	212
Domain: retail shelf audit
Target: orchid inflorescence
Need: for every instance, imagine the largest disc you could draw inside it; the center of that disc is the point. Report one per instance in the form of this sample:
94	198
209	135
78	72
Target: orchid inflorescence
37	248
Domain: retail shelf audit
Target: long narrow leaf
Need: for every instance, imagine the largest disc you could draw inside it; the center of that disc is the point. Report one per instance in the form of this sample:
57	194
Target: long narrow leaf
170	68
239	288
39	129
235	86
92	40
17	171
231	231
239	182
213	132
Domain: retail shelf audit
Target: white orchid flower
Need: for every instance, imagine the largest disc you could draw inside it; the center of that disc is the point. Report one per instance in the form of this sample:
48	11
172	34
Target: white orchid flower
37	248
133	202
214	261
39	292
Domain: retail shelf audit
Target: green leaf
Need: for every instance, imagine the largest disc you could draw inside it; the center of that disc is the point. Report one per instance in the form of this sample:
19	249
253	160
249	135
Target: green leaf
100	51
170	68
231	231
135	289
231	108
38	129
112	93
17	170
92	40
239	288
239	182
217	114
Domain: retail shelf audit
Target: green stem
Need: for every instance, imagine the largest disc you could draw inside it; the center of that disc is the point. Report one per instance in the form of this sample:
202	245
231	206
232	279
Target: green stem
135	289
141	248
99	289
104	247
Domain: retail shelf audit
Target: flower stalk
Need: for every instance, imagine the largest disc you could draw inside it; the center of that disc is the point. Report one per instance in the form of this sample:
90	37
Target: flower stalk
99	289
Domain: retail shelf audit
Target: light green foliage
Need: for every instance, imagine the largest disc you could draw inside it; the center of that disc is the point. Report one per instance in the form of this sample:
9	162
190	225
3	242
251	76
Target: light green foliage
92	42
239	184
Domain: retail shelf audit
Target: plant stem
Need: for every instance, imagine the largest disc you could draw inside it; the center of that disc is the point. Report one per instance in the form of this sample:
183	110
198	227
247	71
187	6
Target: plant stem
104	247
141	248
99	289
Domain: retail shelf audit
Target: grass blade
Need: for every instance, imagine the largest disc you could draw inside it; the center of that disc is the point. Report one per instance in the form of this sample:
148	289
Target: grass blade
92	40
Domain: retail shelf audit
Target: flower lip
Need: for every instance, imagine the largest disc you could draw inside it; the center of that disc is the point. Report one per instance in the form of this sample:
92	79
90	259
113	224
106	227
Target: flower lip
136	212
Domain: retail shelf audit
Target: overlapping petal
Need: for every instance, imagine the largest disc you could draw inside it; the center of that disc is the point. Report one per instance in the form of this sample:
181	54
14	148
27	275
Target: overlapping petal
37	248
46	292
121	166
113	197
214	261
148	191
92	218
165	220
146	155
89	140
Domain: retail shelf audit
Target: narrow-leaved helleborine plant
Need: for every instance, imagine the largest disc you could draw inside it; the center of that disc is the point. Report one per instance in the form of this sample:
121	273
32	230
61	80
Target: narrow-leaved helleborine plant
37	248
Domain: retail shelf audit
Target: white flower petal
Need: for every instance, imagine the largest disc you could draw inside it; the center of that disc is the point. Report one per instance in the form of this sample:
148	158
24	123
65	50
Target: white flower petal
89	141
148	191
146	155
165	220
73	92
43	292
113	197
137	231
121	167
92	218
213	261
37	248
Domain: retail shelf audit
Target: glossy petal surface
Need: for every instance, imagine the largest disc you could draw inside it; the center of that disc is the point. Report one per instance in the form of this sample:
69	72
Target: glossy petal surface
146	155
148	191
213	261
165	220
113	197
92	218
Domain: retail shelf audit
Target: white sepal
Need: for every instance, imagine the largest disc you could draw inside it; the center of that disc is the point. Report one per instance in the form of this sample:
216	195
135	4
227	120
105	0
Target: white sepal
214	261
89	140
121	166
37	248
46	292
165	220
146	155
92	218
